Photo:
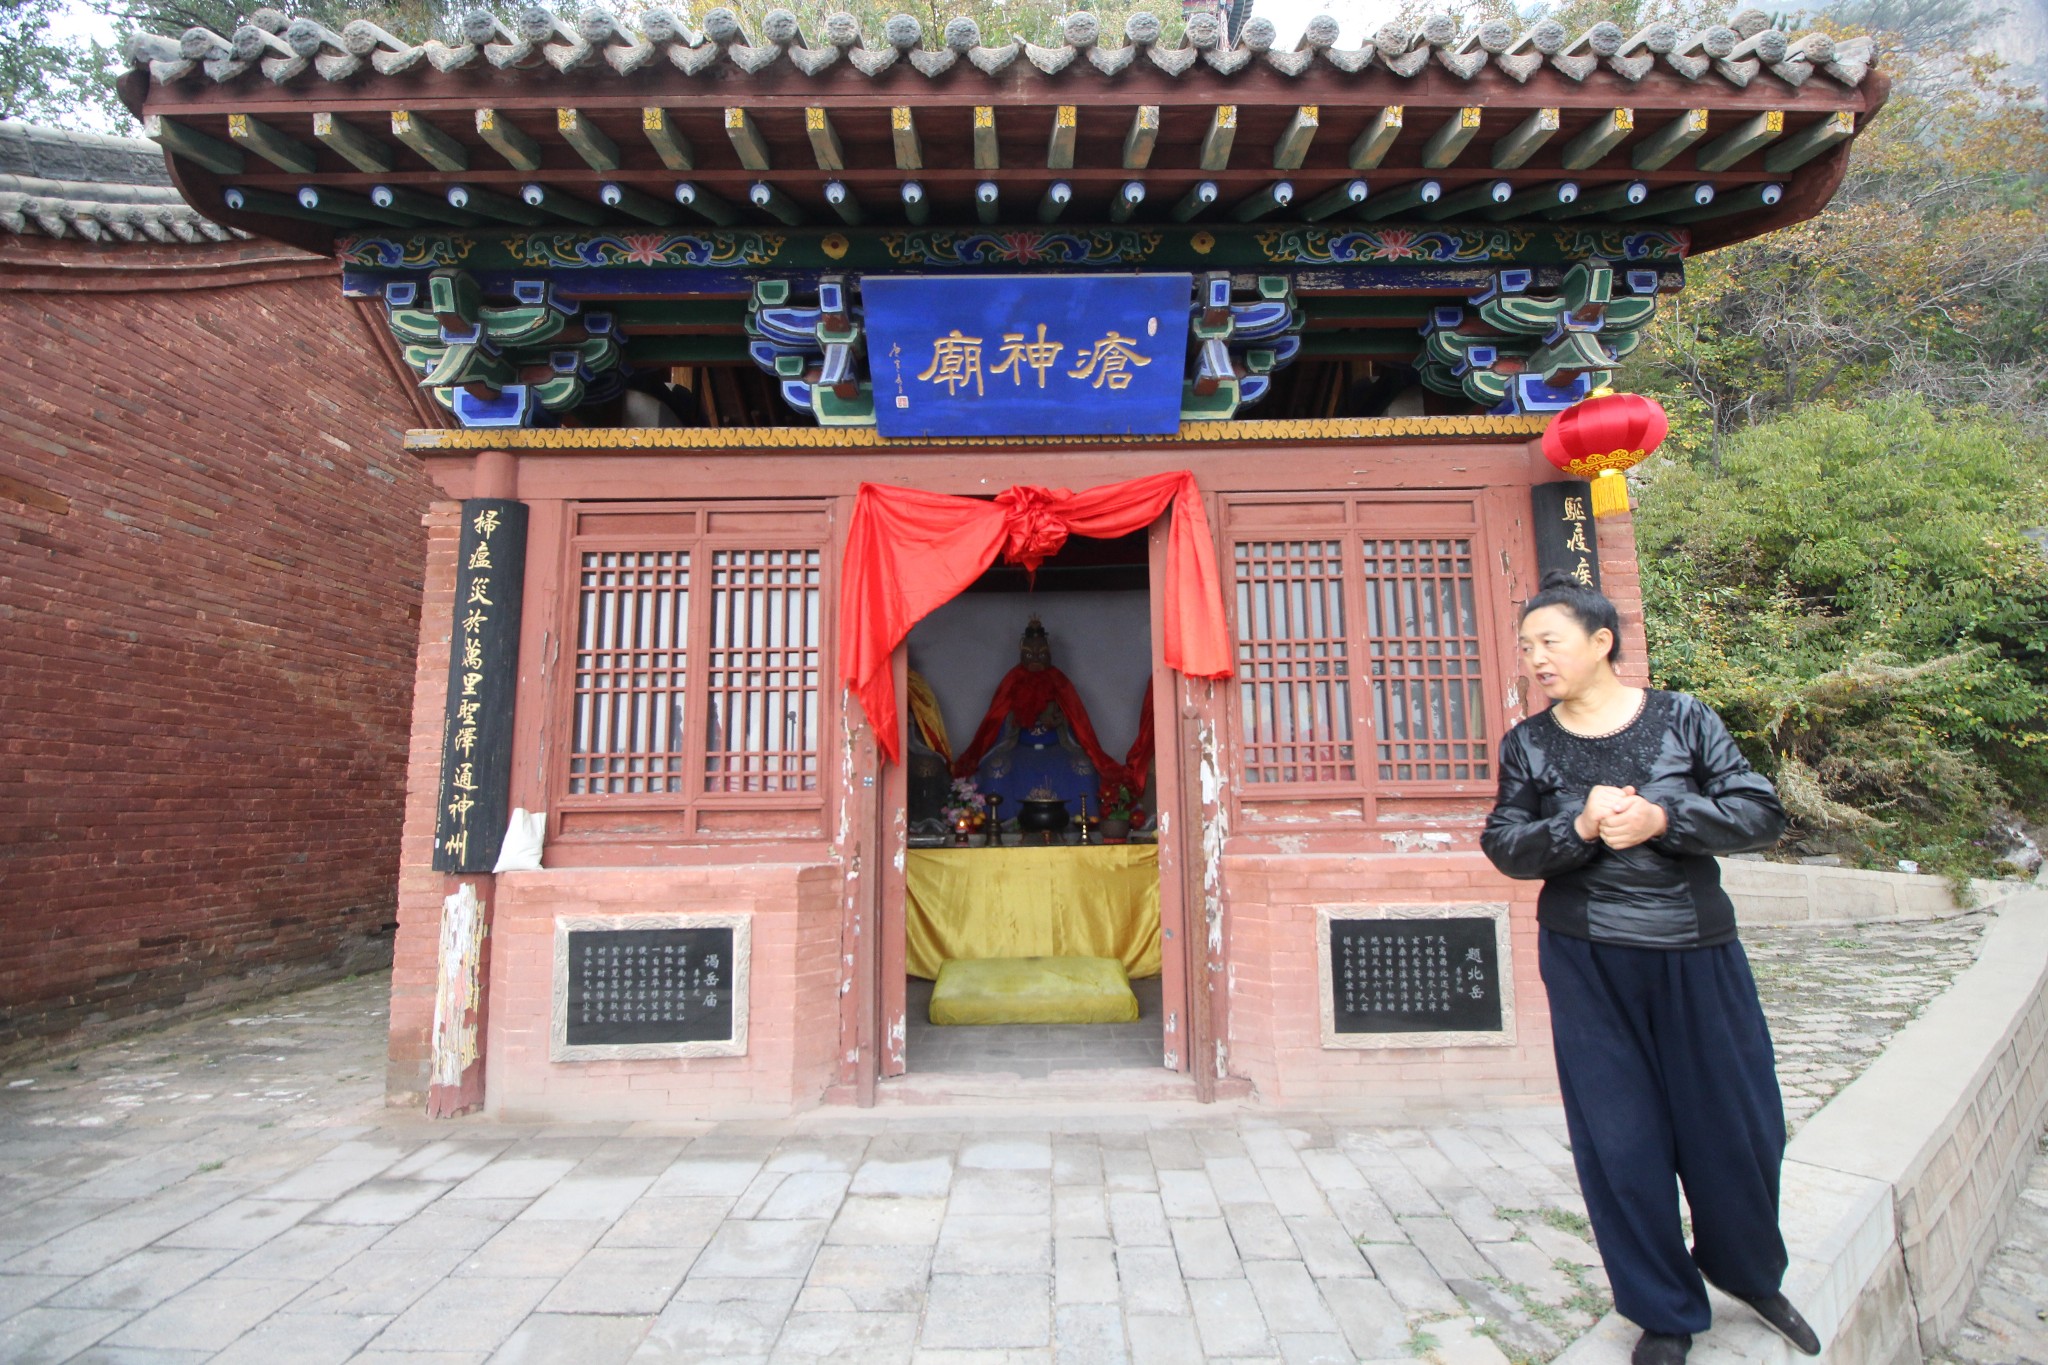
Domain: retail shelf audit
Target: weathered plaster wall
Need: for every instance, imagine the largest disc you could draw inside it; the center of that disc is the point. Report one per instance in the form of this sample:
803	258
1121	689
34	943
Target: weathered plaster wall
209	574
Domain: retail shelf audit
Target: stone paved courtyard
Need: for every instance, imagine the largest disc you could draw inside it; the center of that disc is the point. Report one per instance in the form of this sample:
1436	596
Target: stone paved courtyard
232	1189
1835	994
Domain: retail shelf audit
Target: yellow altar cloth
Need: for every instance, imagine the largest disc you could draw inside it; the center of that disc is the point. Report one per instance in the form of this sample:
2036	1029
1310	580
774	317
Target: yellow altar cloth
1096	901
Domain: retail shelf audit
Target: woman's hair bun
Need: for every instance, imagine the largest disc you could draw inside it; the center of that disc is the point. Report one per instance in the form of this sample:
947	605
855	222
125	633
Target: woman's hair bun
1583	602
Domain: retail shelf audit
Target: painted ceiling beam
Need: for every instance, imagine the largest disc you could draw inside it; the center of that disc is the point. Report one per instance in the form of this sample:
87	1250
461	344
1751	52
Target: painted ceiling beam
1748	136
285	153
1271	199
1514	150
1740	200
1054	201
903	138
1370	147
1484	194
1447	142
360	207
636	204
986	155
521	152
745	136
1602	200
491	204
826	149
711	207
247	199
1418	195
1144	135
916	207
203	148
1125	201
1656	151
1606	133
842	202
431	208
1195	201
775	203
1557	194
1059	149
599	152
1292	148
1331	202
667	140
1217	141
1810	141
433	146
557	204
352	144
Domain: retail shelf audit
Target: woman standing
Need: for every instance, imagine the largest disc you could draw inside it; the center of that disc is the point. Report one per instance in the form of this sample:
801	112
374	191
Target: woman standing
1619	798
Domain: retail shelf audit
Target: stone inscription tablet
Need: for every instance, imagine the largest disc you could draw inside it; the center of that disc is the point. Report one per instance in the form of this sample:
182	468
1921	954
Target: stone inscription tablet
1415	976
650	986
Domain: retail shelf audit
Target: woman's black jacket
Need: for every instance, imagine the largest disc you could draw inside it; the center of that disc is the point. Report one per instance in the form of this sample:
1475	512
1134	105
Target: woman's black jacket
1665	893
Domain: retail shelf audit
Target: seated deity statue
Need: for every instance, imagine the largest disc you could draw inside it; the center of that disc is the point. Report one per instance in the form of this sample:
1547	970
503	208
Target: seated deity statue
1036	740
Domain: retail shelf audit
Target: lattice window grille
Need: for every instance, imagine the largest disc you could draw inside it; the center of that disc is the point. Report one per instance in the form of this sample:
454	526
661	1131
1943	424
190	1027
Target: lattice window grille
762	671
1293	662
1423	650
632	634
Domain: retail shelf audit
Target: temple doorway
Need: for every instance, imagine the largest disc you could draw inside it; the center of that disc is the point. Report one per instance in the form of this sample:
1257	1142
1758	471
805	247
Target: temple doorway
1033	949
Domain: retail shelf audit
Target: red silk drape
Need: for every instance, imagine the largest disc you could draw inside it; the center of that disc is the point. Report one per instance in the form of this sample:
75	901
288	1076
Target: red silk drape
909	552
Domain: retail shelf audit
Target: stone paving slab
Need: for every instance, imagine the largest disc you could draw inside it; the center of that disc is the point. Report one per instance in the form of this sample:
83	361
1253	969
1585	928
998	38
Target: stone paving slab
233	1189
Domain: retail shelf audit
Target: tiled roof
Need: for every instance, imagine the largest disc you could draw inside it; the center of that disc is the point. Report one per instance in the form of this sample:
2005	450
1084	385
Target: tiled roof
536	40
86	185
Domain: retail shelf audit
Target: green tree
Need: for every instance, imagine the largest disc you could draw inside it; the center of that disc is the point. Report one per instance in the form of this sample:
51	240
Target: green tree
45	79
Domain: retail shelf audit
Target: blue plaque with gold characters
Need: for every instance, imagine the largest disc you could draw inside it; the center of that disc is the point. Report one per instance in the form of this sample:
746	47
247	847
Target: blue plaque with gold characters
1027	355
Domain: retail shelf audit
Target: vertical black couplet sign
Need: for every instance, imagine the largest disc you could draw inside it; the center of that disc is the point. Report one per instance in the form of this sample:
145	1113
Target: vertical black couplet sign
483	679
1565	537
1415	975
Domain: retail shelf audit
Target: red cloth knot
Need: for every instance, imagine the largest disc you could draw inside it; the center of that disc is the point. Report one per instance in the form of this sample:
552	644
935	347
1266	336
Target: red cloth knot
1034	524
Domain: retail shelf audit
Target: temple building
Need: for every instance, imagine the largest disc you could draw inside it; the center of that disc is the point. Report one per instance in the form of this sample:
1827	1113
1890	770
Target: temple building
841	429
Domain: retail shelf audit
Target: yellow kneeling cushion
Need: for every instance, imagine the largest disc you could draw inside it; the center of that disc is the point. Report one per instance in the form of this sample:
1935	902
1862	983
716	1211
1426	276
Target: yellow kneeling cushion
1033	990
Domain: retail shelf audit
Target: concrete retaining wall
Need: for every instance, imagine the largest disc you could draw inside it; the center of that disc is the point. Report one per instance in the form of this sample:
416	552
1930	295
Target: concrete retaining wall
1798	893
1897	1193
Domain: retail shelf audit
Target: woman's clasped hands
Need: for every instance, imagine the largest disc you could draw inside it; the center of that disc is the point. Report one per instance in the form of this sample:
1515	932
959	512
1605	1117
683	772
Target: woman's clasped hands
1619	818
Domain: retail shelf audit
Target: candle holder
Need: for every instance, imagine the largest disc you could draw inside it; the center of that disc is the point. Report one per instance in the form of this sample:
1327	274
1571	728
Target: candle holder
995	821
960	830
1084	822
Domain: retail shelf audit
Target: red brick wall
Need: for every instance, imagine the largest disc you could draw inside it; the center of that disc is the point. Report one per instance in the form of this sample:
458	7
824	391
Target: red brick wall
210	557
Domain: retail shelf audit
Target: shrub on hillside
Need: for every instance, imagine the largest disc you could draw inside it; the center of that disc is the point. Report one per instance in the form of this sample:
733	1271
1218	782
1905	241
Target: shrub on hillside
1863	594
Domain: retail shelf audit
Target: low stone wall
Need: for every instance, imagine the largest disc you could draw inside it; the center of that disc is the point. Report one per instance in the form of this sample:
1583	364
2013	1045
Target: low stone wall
1898	1192
1800	893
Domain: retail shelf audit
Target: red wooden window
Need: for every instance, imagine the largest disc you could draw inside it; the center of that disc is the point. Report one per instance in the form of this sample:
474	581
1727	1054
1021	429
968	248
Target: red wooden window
632	633
1362	660
698	638
1421	634
1293	661
761	671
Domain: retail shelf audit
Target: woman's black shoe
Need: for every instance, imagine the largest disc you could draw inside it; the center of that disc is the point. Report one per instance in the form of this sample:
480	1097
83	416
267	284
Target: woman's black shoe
1657	1349
1778	1311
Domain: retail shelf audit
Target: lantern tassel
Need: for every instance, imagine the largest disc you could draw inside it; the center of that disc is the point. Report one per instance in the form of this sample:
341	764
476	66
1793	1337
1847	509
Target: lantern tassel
1610	494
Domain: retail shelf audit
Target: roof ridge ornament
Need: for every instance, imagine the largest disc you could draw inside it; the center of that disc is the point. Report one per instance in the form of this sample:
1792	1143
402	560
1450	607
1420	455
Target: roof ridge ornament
535	34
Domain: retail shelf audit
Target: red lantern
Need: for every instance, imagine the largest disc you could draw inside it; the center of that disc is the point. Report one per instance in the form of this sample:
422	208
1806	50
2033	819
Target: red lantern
1602	436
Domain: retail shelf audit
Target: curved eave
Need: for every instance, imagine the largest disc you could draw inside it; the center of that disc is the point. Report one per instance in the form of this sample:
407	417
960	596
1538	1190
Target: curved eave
1027	102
